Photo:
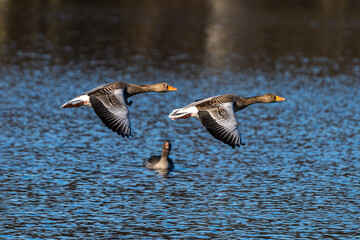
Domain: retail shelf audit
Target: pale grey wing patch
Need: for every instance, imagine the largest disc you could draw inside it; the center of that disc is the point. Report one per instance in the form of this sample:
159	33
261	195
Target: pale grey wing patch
221	123
152	161
111	109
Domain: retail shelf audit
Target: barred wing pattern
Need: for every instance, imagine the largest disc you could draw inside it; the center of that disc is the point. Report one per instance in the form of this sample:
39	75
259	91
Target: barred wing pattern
221	123
112	110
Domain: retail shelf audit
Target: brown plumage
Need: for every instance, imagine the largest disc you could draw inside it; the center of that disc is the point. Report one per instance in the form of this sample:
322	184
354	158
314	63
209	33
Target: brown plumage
110	102
163	161
217	114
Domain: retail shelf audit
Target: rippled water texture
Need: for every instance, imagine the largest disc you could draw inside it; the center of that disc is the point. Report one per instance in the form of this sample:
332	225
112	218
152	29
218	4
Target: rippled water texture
64	175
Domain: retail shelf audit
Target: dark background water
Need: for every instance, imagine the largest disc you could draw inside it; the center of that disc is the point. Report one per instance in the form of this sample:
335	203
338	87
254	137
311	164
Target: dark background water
64	175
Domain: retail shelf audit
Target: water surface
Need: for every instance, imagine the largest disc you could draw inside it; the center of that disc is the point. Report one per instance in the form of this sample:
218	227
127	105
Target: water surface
64	175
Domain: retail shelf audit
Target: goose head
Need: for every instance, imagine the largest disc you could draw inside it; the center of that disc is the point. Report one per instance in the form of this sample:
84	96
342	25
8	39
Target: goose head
162	87
166	145
269	98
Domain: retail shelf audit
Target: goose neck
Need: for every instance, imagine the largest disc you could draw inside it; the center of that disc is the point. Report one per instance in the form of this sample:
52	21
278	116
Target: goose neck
136	89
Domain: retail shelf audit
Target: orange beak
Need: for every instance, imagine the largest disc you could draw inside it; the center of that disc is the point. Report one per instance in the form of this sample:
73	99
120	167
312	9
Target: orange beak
170	88
279	99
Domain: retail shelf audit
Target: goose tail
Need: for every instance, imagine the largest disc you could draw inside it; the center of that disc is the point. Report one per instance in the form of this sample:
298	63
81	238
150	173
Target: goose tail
77	102
182	113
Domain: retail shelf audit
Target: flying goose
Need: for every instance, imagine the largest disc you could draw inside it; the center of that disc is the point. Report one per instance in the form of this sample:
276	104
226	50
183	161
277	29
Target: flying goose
110	102
217	114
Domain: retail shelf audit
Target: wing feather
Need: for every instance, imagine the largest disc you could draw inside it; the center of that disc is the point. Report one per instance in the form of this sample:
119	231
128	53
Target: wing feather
221	123
110	107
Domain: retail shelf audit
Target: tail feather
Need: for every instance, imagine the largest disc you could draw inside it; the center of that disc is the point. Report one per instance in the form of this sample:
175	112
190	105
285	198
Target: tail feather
73	103
177	113
182	113
77	102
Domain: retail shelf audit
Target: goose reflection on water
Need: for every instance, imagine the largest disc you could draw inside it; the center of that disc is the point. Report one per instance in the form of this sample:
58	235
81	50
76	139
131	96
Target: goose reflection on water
164	173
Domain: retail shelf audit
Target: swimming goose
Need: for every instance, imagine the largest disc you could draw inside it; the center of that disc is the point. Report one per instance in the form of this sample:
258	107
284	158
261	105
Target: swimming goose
163	161
217	114
110	102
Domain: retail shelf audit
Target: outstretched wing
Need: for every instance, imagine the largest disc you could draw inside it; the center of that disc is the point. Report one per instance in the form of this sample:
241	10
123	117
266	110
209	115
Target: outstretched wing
111	109
221	123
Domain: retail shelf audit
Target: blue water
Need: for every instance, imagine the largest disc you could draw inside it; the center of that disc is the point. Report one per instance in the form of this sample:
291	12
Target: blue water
64	175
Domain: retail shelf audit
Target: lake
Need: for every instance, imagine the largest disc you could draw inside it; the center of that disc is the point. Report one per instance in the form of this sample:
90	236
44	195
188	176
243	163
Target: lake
64	175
